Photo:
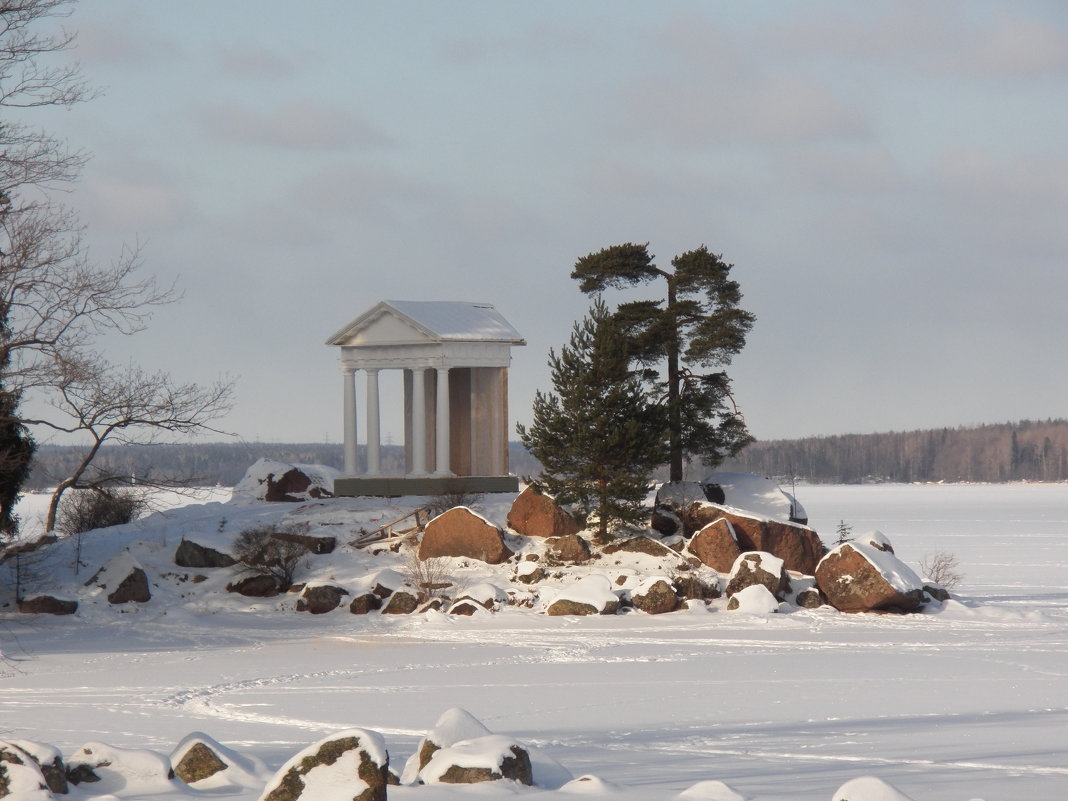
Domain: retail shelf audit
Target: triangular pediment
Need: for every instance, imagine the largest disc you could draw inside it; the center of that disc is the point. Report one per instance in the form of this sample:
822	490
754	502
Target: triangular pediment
382	325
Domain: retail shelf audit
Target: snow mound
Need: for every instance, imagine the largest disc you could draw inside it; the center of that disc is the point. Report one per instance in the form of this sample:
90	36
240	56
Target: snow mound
755	599
266	473
129	771
868	788
590	785
595	590
757	494
710	791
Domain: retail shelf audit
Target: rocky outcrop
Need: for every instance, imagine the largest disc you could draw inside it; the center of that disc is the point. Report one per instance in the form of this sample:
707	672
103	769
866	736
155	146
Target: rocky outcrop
351	764
535	514
859	577
319	599
758	567
568	548
192	554
460	532
798	546
47	605
655	596
716	545
255	586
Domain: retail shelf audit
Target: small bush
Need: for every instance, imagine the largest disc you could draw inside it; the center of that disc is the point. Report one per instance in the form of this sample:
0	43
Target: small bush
84	510
942	568
431	576
261	552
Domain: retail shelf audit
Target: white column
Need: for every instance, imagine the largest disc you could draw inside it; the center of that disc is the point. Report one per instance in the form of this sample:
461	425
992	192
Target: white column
418	421
442	432
351	466
374	433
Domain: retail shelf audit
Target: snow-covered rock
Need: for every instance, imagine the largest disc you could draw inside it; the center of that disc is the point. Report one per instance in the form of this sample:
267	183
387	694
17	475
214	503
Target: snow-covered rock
860	577
129	771
868	788
206	764
482	759
759	567
271	480
757	494
755	599
592	595
20	775
453	726
351	764
710	791
462	532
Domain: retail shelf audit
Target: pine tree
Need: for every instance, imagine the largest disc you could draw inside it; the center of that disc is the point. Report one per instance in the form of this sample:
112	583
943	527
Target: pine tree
596	437
697	327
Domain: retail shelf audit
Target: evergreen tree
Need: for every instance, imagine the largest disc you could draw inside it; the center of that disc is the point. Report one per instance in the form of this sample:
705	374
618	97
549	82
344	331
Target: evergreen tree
697	328
596	437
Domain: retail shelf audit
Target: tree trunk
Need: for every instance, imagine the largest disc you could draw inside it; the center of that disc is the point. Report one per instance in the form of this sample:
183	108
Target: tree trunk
674	386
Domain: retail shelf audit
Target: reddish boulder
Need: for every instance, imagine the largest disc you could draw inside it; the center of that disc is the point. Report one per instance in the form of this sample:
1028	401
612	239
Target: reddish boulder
758	567
460	532
568	548
47	605
798	546
857	577
715	545
535	514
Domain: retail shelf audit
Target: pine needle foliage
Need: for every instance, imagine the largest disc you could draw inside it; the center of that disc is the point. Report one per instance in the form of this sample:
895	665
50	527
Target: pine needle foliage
597	436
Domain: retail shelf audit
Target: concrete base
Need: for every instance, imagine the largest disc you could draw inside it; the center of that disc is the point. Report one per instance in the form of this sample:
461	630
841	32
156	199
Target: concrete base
398	486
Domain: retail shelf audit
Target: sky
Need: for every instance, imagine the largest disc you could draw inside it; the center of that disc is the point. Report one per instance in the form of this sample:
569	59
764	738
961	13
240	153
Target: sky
889	180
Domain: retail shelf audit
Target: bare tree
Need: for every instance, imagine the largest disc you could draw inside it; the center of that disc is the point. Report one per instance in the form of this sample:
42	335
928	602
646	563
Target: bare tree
55	302
127	406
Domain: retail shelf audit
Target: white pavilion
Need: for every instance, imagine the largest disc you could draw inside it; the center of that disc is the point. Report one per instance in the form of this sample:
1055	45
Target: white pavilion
455	358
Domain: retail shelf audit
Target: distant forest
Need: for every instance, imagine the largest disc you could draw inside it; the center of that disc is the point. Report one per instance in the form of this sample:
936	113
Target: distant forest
1022	451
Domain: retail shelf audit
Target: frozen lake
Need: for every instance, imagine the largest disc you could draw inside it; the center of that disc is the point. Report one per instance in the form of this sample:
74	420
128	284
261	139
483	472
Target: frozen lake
966	703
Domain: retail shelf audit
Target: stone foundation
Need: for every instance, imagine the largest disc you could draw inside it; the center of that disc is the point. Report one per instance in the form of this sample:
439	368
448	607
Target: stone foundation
399	486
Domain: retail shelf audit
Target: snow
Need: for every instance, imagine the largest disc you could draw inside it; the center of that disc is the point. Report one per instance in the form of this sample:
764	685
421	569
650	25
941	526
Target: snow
965	702
458	319
756	600
758	495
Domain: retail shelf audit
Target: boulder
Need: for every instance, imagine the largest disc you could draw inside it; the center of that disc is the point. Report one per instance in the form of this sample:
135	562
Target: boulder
530	573
486	595
255	585
131	771
535	514
460	532
401	602
798	546
123	579
644	545
192	554
591	595
568	548
756	599
198	762
481	759
320	598
859	577
21	778
758	567
466	608
47	605
716	545
665	522
49	759
454	725
364	603
351	764
132	589
270	480
655	596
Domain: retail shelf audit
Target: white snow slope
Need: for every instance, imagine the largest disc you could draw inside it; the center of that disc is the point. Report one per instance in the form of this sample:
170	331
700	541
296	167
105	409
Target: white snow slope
965	702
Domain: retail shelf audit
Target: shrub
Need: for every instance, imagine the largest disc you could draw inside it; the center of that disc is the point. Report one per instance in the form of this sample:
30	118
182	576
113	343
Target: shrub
84	510
942	568
260	551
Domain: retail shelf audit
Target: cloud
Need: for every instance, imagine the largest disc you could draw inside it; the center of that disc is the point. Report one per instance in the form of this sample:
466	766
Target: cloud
537	41
307	125
119	45
1023	48
251	61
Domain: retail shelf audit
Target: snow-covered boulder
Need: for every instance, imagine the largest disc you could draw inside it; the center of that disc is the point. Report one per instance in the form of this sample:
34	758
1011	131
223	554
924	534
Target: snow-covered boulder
757	494
464	533
482	759
21	778
453	726
759	567
193	554
320	597
351	764
488	596
535	514
859	577
271	480
47	605
132	771
716	545
755	599
49	759
123	579
655	596
591	595
868	788
590	784
206	764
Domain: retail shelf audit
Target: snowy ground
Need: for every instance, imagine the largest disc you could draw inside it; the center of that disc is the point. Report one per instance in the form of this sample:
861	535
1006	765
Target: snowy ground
969	702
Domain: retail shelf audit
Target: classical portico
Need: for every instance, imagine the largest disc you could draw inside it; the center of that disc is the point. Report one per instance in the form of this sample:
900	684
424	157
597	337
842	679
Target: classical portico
455	358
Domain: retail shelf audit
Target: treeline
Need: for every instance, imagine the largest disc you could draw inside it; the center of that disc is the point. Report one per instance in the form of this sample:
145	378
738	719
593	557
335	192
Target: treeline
222	463
1022	451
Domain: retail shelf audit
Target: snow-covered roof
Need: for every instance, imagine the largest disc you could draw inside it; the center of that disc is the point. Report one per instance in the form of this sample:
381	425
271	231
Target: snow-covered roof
438	320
